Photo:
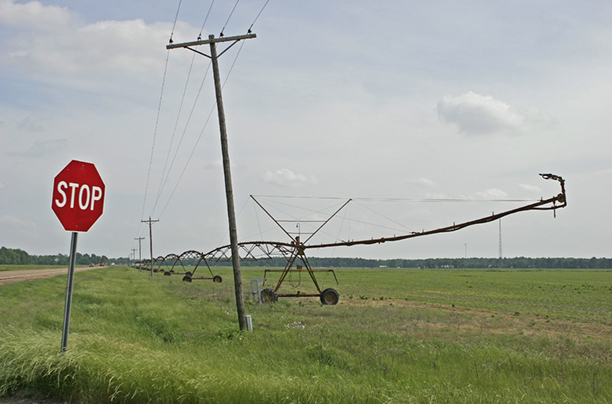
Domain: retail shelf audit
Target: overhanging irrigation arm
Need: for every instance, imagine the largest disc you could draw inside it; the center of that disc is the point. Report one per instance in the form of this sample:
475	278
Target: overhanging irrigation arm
540	205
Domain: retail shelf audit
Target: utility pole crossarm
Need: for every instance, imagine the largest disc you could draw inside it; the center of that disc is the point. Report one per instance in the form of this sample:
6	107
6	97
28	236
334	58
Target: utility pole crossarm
210	39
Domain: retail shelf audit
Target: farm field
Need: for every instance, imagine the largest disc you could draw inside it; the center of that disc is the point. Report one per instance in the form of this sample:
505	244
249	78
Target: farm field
28	267
396	336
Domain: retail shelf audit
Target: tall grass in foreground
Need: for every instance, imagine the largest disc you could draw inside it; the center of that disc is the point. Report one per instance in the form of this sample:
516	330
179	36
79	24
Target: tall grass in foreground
138	340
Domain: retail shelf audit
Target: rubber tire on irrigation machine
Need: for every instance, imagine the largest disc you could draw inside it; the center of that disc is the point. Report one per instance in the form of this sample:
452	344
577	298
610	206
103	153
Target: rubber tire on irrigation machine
187	277
269	296
167	273
217	279
330	296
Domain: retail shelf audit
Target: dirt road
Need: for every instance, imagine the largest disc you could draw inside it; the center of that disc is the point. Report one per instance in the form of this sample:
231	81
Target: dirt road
16	276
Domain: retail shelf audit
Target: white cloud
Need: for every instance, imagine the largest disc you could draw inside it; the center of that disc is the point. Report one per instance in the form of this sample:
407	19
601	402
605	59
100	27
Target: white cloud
16	227
42	148
492	193
31	123
476	114
287	178
33	15
54	42
530	188
425	182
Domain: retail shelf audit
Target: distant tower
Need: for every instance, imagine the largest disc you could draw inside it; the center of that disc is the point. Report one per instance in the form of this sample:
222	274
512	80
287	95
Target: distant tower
500	240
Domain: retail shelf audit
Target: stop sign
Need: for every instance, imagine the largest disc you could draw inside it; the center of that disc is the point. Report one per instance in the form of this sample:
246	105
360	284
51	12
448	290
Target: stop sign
78	196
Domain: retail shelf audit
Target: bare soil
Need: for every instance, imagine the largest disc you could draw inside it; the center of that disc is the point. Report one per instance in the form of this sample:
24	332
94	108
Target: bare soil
27	397
18	276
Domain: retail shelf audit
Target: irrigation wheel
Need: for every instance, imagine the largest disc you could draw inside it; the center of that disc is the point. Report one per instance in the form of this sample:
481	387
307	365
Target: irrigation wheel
330	296
217	279
269	296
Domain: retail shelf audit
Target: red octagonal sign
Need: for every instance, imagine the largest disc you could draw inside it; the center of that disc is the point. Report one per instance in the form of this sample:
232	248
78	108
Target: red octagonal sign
78	196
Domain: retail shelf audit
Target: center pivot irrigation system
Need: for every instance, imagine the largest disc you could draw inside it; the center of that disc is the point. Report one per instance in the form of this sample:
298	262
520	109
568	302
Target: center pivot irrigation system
294	251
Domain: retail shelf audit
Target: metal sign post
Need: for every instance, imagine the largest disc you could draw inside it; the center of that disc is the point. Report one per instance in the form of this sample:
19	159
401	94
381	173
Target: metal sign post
73	249
78	202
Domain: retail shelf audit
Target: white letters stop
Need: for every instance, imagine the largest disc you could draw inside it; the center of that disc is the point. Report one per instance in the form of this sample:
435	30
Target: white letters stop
86	197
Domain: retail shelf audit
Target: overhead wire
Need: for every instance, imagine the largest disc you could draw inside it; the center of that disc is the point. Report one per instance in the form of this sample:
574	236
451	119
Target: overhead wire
178	115
186	126
165	180
256	18
154	138
272	200
380	214
205	20
175	19
165	176
398	199
228	18
204	127
188	160
157	119
346	212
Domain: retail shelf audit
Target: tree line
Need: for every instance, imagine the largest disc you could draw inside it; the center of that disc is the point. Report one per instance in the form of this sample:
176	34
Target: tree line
503	263
9	256
15	256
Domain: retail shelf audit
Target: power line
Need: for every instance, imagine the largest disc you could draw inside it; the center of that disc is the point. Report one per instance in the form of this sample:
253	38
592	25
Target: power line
205	19
256	18
166	174
178	115
228	18
189	159
202	131
183	136
175	19
397	199
155	135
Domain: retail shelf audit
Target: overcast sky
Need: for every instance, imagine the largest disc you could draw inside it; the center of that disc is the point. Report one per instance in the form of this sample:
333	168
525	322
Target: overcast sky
390	103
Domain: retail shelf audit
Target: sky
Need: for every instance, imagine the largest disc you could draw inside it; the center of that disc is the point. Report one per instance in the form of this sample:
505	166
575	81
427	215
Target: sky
423	113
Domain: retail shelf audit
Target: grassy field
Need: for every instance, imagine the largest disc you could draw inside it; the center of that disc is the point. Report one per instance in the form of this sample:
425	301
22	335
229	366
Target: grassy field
28	267
397	336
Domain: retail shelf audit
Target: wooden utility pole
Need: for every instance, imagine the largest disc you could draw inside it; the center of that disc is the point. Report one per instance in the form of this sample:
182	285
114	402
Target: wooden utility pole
150	239
229	193
133	254
139	250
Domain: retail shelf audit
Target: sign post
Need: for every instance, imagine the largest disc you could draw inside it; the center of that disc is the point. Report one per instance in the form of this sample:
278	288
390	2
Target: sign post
78	202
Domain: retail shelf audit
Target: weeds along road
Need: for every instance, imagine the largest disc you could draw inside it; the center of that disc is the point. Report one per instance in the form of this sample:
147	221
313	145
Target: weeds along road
23	397
23	275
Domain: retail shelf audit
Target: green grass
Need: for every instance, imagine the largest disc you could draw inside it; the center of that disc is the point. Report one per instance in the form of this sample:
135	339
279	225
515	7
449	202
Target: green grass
395	337
577	295
28	267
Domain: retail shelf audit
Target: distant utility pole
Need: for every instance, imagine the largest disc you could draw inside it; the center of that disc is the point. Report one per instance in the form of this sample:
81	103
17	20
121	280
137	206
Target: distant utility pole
500	240
132	255
229	193
139	247
150	239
